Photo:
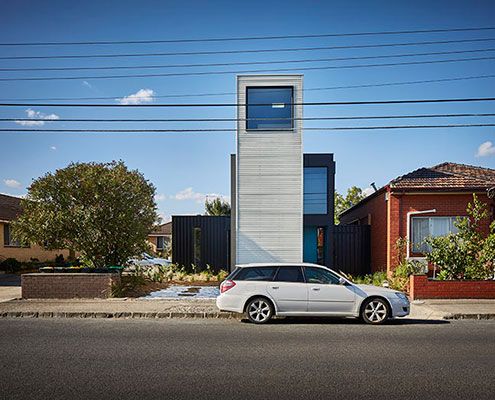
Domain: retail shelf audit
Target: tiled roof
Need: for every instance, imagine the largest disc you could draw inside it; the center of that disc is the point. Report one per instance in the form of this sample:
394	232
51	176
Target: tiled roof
10	207
164	229
447	176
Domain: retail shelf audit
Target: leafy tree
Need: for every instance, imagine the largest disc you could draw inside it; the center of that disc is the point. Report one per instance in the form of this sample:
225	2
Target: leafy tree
101	210
217	206
354	195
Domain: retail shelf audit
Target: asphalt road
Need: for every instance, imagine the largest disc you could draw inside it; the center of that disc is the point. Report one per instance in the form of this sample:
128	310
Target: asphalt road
227	359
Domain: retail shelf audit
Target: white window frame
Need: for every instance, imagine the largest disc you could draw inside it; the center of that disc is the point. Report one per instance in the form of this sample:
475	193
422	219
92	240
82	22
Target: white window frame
421	247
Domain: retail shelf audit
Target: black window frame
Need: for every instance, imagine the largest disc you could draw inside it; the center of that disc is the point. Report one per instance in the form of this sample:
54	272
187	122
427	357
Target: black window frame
292	127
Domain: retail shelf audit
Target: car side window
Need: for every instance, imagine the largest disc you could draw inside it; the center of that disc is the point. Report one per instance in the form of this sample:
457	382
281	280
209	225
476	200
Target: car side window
256	274
320	275
289	274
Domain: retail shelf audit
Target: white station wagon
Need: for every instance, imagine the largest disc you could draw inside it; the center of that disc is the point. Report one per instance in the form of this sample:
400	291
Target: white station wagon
264	290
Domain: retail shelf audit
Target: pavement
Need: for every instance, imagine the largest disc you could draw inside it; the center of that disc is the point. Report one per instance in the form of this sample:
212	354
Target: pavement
226	359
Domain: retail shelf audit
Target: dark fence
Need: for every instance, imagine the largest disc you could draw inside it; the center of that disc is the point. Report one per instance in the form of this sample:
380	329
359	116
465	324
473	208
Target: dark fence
201	240
352	249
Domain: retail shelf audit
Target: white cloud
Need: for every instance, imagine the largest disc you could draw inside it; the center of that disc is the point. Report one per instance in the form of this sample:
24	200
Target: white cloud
486	149
190	194
160	197
164	217
53	148
367	191
37	115
140	97
12	183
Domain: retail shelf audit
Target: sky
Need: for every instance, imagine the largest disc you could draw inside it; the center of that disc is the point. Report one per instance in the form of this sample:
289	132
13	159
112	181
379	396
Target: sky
186	167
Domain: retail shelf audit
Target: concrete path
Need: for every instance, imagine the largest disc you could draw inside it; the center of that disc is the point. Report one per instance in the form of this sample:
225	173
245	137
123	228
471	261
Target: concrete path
10	287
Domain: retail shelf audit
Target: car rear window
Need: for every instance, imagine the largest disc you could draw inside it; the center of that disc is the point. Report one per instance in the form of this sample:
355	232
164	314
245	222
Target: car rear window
289	274
256	274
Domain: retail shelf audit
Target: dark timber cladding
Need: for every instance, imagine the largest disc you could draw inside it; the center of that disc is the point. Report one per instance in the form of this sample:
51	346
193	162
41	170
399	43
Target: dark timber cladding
352	249
201	240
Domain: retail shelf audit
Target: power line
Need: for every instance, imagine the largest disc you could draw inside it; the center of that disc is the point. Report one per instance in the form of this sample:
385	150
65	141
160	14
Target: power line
113	67
178	95
345	128
201	73
324	103
217	52
247	38
248	119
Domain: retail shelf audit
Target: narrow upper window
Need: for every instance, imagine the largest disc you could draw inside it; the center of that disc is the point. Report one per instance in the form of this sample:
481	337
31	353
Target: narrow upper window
315	190
269	108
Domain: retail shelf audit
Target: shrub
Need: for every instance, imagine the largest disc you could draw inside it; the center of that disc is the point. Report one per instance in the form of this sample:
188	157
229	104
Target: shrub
10	265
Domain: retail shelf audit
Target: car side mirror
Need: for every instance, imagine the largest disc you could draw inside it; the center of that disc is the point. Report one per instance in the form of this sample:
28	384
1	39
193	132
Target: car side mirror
342	281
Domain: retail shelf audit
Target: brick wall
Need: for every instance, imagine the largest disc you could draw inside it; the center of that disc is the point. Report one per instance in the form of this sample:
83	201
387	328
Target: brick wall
374	213
421	287
68	286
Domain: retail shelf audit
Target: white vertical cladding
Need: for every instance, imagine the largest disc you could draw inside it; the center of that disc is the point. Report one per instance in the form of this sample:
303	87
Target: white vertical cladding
269	206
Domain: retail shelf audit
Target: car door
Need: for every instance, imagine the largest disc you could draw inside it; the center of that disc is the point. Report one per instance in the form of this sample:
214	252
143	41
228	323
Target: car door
326	294
289	291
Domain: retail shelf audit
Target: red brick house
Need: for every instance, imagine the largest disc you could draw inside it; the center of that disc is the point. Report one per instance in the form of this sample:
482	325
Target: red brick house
421	203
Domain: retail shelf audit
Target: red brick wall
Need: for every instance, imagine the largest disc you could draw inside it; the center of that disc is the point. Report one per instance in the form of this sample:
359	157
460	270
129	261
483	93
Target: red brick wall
373	212
68	286
446	205
420	287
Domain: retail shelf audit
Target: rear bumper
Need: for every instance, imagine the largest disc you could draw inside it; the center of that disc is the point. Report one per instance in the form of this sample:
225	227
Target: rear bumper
230	303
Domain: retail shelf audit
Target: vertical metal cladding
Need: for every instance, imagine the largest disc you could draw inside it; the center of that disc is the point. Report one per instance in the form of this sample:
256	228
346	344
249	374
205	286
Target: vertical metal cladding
269	198
214	241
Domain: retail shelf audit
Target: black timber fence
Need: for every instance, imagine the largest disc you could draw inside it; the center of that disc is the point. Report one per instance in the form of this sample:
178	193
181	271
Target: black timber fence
352	249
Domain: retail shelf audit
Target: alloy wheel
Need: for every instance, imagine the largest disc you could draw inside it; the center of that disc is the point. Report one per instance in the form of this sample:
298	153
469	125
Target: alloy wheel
376	311
259	311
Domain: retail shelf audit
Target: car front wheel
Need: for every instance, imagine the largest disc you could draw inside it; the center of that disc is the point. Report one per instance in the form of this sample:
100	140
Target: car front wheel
375	311
259	310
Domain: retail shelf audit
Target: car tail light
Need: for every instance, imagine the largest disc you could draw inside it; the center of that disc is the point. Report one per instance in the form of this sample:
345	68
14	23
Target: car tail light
226	285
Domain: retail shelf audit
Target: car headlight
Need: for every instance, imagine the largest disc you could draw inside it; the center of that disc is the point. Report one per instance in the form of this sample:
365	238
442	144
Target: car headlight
401	296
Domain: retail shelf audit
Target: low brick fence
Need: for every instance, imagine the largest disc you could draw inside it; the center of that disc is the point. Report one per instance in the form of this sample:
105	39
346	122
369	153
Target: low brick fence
421	287
68	286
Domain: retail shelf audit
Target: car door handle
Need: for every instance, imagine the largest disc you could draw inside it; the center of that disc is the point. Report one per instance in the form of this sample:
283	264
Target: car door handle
274	287
316	289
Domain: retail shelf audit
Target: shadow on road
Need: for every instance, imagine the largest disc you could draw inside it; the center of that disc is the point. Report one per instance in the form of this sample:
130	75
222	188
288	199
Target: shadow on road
347	321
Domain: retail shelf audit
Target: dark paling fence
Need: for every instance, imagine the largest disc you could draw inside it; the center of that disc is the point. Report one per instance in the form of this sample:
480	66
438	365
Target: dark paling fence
202	241
352	249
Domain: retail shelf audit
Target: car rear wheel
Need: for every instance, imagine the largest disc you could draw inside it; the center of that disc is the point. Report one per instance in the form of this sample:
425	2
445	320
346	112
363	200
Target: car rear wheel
375	311
259	310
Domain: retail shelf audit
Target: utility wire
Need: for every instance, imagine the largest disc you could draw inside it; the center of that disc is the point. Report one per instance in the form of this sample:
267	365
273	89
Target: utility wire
323	103
224	64
201	73
216	52
247	38
249	119
178	95
344	128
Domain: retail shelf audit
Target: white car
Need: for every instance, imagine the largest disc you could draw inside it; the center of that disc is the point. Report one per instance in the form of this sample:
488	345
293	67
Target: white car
146	260
264	290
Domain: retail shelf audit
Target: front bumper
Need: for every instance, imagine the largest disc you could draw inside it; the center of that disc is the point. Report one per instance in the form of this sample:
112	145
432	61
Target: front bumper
400	307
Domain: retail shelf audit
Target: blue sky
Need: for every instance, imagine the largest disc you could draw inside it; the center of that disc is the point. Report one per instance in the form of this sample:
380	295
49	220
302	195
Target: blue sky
185	167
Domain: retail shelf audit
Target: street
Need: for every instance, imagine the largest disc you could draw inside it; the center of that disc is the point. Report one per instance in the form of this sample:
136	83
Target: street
195	359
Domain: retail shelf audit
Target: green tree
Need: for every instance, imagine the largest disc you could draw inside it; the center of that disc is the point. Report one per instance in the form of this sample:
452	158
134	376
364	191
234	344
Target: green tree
217	206
101	210
354	195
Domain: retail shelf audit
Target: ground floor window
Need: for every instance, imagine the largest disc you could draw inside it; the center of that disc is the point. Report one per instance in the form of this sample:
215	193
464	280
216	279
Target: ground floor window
8	241
197	246
160	242
424	227
314	244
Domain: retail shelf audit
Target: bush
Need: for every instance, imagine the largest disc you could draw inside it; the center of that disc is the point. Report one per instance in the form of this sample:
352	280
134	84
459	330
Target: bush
10	265
467	254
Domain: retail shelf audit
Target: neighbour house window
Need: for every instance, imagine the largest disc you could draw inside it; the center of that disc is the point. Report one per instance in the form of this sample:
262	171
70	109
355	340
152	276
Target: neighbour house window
197	246
289	274
424	227
318	275
8	241
160	241
256	274
315	190
269	108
